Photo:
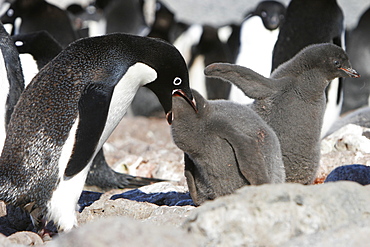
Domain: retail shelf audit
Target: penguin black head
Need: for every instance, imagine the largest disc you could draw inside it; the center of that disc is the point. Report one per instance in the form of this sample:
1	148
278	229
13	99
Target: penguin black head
172	74
271	12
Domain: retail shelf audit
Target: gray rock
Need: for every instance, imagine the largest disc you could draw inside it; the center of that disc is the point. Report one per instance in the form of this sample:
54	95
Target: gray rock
271	215
121	231
26	238
352	235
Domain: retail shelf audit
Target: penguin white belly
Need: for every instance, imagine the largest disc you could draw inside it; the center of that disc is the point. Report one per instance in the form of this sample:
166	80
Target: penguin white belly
196	76
185	41
333	107
257	44
29	67
62	206
4	91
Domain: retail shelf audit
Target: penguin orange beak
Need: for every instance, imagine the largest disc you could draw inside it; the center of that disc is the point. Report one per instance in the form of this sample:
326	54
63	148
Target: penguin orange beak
180	93
350	72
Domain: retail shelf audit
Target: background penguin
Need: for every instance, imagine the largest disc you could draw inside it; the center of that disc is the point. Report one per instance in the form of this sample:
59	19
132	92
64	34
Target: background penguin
45	162
226	146
292	102
43	47
312	22
356	93
356	173
257	36
11	81
37	15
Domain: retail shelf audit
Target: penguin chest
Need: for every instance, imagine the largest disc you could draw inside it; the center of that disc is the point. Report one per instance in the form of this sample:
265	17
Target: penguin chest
4	91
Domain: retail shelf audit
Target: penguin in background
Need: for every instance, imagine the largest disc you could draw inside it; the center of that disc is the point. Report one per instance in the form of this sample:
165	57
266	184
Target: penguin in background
312	22
53	134
37	15
257	36
11	81
356	93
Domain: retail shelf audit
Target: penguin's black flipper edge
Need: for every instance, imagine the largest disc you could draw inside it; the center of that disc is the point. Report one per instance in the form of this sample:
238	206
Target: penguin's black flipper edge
93	111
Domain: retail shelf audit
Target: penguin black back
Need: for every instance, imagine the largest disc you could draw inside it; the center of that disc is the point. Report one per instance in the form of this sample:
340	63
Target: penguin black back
40	15
306	23
356	93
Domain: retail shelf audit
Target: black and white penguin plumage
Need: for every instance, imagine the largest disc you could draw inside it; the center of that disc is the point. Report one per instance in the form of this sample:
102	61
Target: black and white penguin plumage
37	15
126	16
257	36
312	22
356	94
43	48
227	146
11	81
68	111
292	102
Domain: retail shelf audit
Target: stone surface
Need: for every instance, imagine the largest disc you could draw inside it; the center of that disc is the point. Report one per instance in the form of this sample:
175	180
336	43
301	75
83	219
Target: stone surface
121	231
271	215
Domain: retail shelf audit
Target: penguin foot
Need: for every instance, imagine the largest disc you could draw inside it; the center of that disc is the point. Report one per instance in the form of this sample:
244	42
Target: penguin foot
104	178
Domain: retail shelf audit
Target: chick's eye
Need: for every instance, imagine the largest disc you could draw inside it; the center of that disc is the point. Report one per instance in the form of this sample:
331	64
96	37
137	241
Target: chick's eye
336	62
10	12
177	81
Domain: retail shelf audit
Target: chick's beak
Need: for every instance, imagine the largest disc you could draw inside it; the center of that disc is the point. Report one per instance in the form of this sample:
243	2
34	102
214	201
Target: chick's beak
350	72
188	98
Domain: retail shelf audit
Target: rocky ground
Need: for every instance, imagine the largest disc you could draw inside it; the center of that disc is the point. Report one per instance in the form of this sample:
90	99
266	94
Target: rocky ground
334	214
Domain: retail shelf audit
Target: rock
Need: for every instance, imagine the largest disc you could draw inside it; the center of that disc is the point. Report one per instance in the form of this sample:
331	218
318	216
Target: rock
355	234
271	215
348	145
26	238
122	231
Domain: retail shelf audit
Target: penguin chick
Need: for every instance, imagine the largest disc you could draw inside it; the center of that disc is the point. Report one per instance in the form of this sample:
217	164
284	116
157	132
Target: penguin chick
292	102
226	145
69	110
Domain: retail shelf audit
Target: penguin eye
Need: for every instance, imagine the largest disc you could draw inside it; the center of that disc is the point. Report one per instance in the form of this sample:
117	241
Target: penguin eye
177	81
336	63
18	43
10	12
263	14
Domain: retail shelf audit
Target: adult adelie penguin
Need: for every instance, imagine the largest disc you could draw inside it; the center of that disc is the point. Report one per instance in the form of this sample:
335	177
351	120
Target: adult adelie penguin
258	34
226	145
69	110
356	93
43	48
292	102
312	22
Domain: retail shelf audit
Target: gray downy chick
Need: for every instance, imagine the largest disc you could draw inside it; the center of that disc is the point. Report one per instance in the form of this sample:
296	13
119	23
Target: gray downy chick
292	101
226	145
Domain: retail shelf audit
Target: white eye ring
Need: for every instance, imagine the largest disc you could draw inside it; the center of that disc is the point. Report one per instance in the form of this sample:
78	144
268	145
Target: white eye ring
177	81
18	43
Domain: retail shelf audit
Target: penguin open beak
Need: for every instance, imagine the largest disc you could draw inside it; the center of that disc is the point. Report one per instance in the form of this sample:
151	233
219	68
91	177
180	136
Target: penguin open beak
180	93
350	72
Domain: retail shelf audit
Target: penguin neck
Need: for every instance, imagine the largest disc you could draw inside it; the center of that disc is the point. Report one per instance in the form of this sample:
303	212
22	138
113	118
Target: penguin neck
136	76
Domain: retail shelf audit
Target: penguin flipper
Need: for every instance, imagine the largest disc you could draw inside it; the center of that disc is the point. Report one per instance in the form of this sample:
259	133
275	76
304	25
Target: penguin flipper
251	83
93	109
248	155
